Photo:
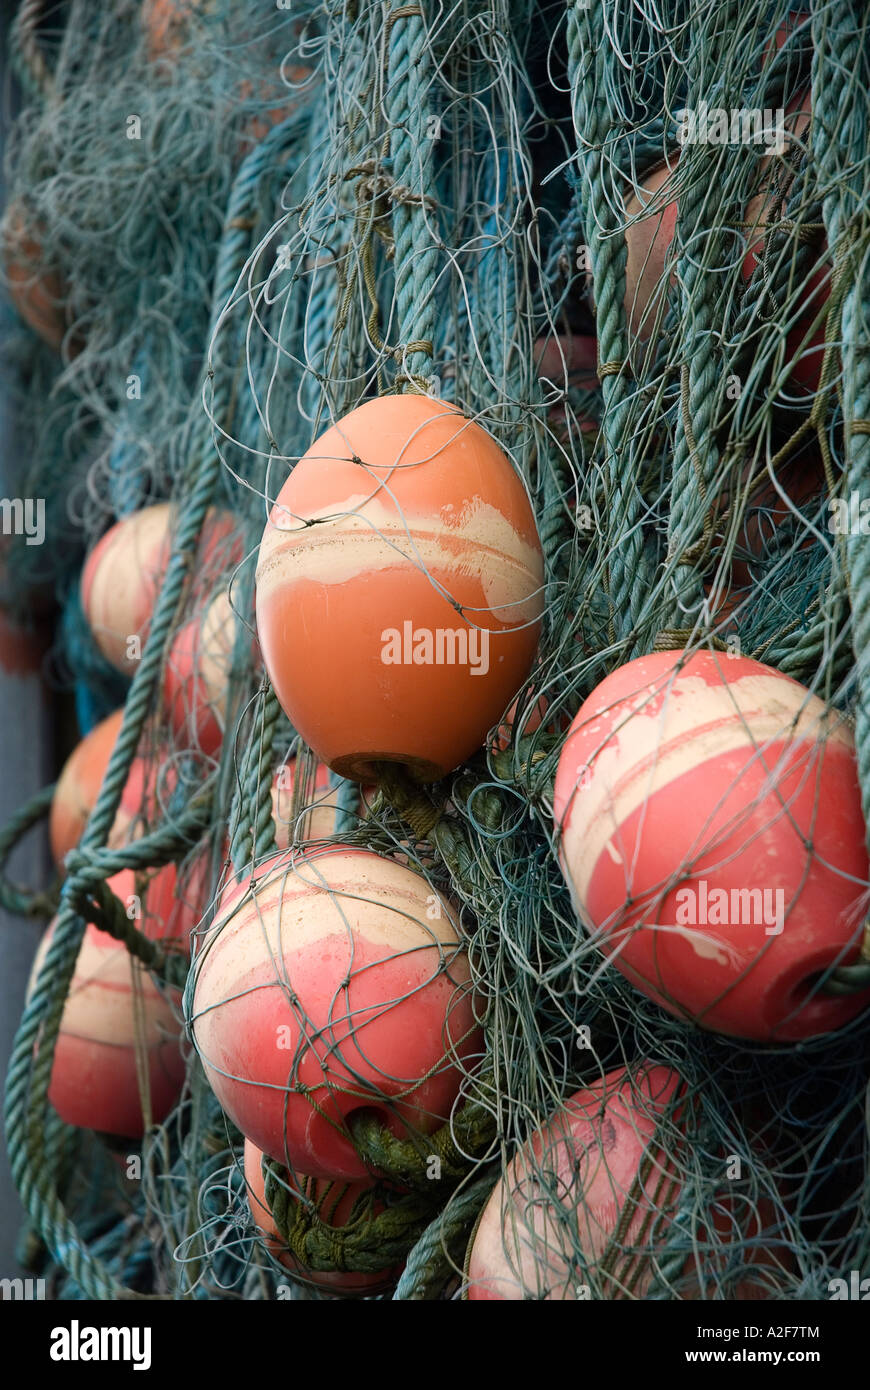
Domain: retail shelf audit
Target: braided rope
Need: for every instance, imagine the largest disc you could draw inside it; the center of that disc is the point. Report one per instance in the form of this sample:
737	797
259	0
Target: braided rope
415	250
839	39
594	123
433	1261
13	899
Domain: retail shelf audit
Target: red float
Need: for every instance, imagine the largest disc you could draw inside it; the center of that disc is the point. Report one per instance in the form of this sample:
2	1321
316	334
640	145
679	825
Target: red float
596	1176
22	649
712	836
166	24
335	982
335	1202
117	1026
569	355
78	788
399	589
197	674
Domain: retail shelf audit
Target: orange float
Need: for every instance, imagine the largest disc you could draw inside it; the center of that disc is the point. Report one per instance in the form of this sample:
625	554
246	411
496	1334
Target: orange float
335	1203
123	573
81	779
35	288
506	733
78	788
647	241
399	589
331	983
166	24
596	1178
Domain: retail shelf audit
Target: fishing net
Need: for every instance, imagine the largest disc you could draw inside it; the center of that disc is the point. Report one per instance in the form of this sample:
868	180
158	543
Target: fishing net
253	222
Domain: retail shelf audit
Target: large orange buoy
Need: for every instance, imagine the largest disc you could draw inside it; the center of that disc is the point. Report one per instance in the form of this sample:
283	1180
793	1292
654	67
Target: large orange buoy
399	589
117	1026
332	982
597	1179
334	1203
123	573
713	841
35	288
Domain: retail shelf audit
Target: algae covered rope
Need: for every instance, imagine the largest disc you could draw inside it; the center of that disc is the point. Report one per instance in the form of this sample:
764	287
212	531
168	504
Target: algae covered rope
372	1239
701	377
368	1241
253	836
24	45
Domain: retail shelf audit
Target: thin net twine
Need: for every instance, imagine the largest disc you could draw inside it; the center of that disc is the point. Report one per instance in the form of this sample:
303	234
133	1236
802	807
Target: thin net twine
420	226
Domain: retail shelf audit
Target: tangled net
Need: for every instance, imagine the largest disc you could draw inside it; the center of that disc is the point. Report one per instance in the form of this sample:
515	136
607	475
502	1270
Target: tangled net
362	198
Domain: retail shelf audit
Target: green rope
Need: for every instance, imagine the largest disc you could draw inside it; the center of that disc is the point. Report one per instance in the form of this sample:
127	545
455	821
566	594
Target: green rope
19	901
368	1241
435	1259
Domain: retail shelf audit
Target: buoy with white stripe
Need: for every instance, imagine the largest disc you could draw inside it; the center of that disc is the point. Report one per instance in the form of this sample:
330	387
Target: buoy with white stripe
119	1033
79	786
710	830
35	287
399	589
332	982
602	1179
123	573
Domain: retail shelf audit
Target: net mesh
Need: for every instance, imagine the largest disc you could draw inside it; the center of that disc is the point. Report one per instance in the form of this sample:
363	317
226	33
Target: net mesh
257	224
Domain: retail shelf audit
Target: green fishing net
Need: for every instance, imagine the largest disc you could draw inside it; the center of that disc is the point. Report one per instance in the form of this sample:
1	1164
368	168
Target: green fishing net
258	217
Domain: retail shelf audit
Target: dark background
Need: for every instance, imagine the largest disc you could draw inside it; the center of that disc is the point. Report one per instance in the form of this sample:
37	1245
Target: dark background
26	763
